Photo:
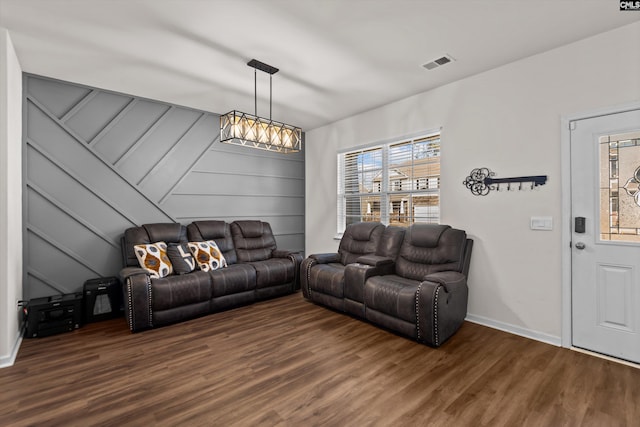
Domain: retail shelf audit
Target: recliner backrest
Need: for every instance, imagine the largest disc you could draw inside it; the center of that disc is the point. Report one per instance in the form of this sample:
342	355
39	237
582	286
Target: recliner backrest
360	238
150	233
430	248
391	241
254	240
219	232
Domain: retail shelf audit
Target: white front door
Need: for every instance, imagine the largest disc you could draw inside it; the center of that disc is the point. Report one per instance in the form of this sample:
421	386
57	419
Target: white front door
605	258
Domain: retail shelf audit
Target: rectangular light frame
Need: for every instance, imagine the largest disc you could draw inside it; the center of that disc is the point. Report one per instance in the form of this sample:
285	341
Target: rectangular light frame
248	130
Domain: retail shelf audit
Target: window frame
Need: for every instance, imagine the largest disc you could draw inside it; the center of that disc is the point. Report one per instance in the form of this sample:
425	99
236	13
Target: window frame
384	190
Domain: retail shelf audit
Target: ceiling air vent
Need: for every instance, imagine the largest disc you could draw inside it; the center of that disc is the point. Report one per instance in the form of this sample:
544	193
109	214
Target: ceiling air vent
438	62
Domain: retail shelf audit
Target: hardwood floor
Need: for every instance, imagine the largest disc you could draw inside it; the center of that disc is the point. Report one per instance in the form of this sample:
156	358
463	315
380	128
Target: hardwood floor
289	362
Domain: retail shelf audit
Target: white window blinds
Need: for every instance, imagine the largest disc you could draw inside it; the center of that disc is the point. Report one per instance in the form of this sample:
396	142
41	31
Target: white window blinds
396	183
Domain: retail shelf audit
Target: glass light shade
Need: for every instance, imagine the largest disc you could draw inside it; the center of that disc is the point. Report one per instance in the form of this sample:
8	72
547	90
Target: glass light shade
252	131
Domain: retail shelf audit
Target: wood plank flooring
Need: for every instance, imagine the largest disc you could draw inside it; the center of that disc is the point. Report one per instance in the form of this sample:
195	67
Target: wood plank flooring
288	362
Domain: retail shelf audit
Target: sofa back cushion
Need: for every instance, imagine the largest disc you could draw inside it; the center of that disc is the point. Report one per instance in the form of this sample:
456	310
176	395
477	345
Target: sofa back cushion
391	241
219	232
360	238
253	240
150	233
429	248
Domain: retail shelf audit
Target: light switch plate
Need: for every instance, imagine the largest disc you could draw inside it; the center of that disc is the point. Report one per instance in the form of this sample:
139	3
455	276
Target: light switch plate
544	223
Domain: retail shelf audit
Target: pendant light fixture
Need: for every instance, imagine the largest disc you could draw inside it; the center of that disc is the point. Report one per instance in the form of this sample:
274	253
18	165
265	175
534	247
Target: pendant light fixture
252	131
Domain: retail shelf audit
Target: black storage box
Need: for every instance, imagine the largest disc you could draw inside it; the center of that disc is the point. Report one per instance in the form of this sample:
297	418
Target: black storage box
102	299
53	315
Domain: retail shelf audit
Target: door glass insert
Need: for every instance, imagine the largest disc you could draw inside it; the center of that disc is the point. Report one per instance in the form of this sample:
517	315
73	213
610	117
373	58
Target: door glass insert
620	187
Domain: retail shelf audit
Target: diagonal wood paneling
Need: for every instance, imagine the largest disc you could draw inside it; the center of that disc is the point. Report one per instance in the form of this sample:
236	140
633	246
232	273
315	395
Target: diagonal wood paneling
98	162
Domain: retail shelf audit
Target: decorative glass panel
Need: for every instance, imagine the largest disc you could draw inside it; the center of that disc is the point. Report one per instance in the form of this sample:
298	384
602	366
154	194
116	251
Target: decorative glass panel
620	187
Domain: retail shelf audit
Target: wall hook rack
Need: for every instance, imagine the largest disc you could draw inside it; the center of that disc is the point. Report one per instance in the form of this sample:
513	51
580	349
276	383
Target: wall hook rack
480	181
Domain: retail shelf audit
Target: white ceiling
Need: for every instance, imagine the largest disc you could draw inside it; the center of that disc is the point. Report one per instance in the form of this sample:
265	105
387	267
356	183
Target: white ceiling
336	57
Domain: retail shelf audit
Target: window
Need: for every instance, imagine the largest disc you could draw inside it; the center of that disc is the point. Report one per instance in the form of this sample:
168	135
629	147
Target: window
397	183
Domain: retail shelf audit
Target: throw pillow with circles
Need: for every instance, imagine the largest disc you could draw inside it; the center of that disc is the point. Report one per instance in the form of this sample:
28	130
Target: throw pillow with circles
153	258
207	255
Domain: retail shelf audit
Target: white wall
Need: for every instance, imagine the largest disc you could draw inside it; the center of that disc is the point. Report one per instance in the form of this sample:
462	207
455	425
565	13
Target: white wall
10	199
506	119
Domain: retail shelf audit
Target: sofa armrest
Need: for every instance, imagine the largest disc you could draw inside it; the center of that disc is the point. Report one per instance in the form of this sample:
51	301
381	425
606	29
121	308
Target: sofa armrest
307	265
449	279
325	258
132	271
137	298
296	258
441	302
375	260
280	253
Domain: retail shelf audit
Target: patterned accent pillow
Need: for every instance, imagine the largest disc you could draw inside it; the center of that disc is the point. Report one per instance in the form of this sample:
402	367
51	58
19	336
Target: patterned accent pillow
181	258
153	258
207	255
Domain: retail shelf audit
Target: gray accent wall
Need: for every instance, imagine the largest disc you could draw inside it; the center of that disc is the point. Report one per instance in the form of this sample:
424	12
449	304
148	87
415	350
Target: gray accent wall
97	162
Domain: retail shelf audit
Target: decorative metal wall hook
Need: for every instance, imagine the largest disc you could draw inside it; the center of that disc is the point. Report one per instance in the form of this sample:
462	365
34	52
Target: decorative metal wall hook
480	181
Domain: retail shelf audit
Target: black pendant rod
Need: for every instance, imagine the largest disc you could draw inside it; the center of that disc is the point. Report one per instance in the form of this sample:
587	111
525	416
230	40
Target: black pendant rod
257	65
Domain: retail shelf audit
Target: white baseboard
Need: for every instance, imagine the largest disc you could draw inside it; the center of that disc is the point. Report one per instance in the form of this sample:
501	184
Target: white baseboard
9	360
516	330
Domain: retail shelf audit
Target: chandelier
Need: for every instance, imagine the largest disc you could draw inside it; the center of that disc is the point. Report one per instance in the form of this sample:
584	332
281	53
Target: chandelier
252	131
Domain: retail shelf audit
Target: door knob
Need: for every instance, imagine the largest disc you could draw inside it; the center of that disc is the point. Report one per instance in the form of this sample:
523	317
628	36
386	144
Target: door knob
580	245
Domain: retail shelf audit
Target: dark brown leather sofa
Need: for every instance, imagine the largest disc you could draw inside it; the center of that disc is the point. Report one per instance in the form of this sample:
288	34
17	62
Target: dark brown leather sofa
256	270
412	281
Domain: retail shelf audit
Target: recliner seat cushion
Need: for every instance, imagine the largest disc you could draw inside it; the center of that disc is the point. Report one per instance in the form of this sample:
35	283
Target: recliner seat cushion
176	291
233	279
274	271
392	295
